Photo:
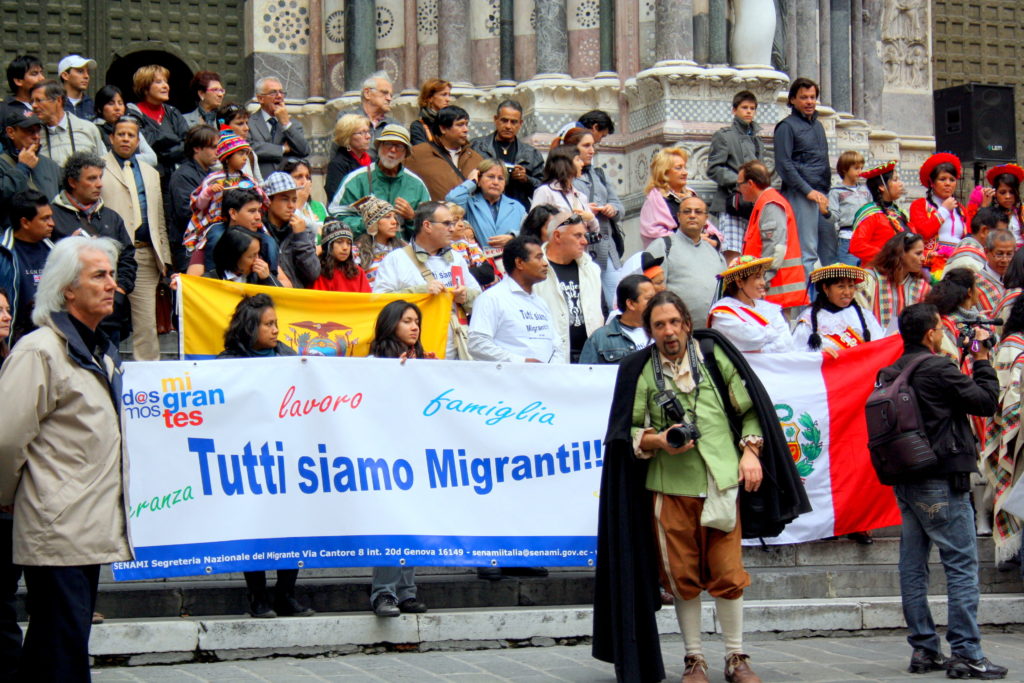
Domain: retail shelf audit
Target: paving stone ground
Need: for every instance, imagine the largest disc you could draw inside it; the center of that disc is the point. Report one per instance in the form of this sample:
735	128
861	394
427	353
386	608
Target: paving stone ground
817	660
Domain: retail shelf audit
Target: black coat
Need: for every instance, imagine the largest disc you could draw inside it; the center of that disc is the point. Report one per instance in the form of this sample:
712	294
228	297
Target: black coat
103	222
946	397
236	352
526	156
626	593
340	165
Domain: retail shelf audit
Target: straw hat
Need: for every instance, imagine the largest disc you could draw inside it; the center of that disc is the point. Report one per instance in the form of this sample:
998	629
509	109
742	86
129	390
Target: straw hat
838	271
743	267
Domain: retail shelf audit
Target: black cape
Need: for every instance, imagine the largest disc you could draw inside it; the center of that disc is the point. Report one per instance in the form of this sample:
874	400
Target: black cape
626	593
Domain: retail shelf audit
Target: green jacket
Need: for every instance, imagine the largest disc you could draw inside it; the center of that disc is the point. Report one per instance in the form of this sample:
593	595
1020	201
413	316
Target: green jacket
357	185
685	474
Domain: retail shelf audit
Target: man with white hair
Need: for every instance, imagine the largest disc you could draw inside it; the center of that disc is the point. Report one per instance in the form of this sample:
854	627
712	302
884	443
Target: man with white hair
60	455
375	104
272	132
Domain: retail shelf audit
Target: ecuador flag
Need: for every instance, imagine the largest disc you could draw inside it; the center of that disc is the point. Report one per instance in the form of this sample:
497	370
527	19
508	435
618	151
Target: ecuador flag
311	322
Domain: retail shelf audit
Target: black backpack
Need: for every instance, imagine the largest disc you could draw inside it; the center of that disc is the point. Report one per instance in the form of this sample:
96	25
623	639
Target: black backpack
896	437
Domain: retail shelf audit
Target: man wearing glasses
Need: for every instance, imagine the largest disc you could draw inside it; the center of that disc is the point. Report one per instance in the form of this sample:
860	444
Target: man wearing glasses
429	264
691	261
772	232
273	134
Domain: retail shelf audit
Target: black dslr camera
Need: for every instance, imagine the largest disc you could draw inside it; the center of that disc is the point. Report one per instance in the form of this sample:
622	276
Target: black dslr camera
966	339
677	437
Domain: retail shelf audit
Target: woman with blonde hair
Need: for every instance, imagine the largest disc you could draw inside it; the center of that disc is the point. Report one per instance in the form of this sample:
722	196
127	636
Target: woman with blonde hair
163	125
435	95
352	135
666	189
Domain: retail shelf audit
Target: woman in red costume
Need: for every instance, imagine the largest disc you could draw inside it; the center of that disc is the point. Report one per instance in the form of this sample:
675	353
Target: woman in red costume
938	216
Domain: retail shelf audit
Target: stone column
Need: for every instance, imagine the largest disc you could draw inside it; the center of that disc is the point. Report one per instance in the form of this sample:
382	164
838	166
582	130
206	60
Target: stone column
873	74
607	35
507	38
825	51
701	40
806	39
454	54
840	41
673	30
412	59
552	38
360	42
316	49
856	63
717	23
791	40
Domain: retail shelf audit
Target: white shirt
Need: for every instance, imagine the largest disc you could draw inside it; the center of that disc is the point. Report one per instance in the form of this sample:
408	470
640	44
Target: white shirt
837	330
743	326
510	325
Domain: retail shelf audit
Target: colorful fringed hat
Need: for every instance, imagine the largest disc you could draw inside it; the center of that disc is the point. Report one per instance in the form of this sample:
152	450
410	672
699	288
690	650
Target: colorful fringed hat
838	271
229	143
925	174
743	267
881	169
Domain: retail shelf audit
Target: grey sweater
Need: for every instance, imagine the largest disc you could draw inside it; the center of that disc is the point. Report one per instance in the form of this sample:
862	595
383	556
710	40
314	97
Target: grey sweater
690	271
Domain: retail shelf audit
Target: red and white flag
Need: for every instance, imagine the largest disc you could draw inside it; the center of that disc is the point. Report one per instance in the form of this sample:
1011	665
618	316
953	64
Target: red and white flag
820	403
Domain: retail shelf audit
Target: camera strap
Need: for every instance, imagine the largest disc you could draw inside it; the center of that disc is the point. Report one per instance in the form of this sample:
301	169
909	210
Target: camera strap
659	373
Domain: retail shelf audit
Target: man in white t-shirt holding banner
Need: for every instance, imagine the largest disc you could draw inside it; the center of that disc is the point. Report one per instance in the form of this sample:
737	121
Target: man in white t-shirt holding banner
511	322
429	265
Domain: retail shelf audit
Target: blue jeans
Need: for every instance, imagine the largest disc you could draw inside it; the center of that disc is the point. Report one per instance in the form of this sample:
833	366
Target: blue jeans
933	513
844	255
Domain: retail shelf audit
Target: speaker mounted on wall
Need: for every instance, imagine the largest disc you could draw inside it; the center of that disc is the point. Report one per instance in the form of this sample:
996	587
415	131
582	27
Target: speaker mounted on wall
977	123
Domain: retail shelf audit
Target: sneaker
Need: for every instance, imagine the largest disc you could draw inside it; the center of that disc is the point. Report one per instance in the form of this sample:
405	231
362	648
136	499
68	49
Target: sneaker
260	609
961	667
738	671
412	606
386	606
695	669
924	660
288	606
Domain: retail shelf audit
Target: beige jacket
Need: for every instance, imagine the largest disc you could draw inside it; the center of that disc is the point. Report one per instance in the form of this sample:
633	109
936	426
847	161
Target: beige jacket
117	197
60	452
589	299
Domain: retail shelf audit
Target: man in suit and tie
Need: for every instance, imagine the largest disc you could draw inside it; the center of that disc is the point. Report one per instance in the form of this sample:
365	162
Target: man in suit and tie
132	190
272	132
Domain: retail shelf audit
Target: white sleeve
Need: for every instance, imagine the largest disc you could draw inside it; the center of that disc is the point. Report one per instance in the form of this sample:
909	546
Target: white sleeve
387	278
801	335
874	327
485	319
745	336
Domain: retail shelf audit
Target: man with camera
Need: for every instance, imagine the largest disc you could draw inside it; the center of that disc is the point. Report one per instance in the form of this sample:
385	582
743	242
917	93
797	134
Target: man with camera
697	429
935	501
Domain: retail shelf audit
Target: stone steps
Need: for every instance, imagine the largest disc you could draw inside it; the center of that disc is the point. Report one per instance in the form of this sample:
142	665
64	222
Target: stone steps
152	641
821	570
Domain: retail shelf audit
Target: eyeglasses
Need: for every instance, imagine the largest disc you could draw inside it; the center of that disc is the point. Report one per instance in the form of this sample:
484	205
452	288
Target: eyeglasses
273	93
574	219
693	212
216	91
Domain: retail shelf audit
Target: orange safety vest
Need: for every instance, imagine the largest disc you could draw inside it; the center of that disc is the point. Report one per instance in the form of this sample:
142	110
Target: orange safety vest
788	288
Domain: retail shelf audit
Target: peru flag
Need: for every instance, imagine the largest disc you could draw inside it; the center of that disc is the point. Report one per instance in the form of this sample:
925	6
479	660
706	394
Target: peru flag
820	403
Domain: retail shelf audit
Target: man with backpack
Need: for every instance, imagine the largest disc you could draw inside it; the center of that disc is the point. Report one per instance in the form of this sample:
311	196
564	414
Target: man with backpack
934	500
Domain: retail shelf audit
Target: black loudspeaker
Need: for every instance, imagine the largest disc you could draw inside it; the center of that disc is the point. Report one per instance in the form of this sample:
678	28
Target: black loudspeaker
976	123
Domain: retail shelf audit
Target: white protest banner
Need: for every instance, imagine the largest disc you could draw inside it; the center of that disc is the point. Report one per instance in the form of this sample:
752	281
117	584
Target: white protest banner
251	464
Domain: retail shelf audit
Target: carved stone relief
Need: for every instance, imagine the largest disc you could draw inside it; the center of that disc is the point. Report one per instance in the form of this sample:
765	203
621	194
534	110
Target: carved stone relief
905	54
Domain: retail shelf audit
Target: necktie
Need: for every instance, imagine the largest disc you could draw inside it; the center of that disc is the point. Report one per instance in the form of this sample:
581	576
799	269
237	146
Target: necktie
129	176
273	127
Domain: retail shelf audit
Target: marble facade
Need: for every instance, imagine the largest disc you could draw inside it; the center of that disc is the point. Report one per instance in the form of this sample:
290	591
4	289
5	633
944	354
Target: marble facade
672	67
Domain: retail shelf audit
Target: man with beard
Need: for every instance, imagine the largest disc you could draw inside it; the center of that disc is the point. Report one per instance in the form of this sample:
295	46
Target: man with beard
387	179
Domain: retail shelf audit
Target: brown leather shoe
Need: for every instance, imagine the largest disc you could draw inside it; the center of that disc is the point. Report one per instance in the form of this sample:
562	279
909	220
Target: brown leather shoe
695	669
738	671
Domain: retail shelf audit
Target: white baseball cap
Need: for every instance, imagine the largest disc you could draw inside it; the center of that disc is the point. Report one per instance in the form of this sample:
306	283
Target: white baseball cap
75	62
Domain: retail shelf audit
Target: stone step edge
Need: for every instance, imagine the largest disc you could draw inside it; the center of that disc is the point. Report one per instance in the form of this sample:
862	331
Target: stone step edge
146	641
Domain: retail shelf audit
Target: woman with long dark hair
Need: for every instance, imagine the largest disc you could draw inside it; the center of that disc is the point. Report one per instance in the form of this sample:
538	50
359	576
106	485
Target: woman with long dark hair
252	333
237	258
1004	195
835	321
875	223
563	166
896	278
396	335
956	297
938	216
